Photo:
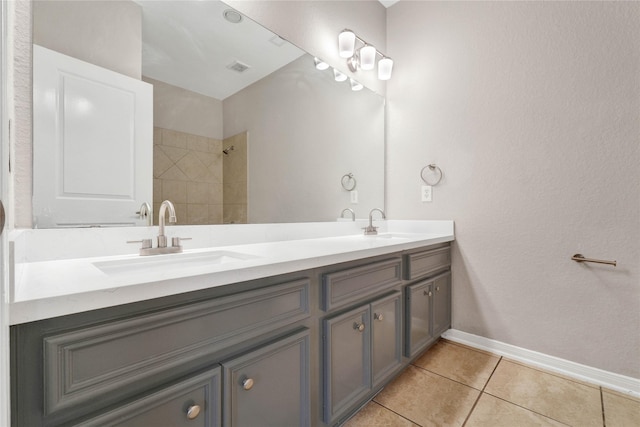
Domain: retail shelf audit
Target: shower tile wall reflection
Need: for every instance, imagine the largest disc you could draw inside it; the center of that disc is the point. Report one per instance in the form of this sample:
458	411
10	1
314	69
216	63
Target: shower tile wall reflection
187	169
235	179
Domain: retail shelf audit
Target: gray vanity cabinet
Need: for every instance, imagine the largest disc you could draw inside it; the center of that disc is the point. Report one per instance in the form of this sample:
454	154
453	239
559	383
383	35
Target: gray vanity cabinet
386	345
270	385
194	402
363	347
347	360
428	312
441	304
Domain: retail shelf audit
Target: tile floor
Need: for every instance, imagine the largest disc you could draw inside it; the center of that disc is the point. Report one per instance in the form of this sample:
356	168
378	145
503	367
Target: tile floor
455	385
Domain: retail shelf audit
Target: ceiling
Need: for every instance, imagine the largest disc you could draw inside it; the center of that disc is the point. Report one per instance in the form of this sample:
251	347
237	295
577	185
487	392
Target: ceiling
190	44
388	3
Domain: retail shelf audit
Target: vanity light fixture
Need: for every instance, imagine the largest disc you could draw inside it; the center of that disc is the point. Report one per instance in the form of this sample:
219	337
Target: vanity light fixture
355	86
363	57
320	64
346	43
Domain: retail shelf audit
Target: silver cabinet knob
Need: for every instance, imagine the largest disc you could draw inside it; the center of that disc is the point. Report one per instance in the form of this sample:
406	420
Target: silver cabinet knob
437	288
428	293
378	316
193	411
247	383
358	327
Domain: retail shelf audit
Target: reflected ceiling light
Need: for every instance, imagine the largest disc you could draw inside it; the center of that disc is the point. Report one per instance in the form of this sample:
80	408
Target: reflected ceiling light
346	43
355	85
320	64
232	16
339	76
364	57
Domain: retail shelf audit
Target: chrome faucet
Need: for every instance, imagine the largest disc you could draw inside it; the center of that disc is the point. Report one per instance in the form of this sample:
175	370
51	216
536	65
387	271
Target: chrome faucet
162	239
370	229
353	214
147	244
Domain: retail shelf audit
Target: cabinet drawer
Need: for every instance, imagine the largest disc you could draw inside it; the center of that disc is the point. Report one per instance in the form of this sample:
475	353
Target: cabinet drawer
348	286
421	264
193	402
84	364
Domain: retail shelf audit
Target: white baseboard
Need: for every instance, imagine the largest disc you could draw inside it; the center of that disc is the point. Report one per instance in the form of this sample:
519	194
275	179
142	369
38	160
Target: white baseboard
585	373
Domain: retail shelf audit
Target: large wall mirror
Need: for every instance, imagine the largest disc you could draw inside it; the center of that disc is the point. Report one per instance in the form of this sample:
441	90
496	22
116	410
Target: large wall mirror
245	127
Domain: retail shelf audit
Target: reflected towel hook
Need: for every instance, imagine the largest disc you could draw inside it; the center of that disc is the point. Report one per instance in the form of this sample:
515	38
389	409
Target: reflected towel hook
348	182
433	168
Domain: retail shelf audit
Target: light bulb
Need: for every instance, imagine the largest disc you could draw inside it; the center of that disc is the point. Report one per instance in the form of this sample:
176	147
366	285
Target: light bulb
346	43
339	76
367	57
385	65
356	85
320	64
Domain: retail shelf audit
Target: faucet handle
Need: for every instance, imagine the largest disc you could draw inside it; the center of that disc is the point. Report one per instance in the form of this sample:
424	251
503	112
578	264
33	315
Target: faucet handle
370	230
146	243
175	241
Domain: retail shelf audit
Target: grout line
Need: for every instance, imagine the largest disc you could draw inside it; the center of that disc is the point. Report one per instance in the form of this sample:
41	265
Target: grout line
446	378
397	413
604	420
481	393
527	409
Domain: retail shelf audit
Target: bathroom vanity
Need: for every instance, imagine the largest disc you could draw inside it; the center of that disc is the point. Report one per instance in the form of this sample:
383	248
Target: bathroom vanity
298	332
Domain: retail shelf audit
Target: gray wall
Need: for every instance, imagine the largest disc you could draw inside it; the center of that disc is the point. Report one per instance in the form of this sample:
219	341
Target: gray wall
104	33
531	110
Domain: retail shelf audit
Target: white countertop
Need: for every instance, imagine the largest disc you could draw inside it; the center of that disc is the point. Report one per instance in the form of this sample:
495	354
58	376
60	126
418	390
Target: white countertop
46	284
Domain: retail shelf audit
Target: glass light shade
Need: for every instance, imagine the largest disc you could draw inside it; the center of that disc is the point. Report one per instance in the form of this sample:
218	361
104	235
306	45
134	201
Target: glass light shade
385	65
340	77
346	43
367	57
320	64
355	85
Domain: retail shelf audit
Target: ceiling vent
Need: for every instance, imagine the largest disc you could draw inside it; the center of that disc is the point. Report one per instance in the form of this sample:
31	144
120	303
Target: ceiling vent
238	67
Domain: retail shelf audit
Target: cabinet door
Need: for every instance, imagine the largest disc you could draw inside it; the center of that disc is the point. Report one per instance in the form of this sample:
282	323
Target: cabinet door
441	304
386	337
418	317
193	402
269	386
347	372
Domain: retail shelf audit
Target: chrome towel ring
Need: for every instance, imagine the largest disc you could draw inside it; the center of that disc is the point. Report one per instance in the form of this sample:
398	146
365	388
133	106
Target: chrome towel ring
436	171
348	182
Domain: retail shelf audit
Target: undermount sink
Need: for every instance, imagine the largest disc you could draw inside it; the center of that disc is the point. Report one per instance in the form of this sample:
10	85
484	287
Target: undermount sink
170	262
395	236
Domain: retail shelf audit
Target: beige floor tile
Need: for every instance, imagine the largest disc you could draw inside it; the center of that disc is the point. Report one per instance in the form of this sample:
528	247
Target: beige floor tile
563	400
428	399
574	379
462	364
620	411
374	415
621	394
494	412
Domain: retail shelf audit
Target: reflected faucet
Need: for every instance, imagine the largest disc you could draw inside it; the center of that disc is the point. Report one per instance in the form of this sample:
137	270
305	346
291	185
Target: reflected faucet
162	239
145	212
370	229
353	214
